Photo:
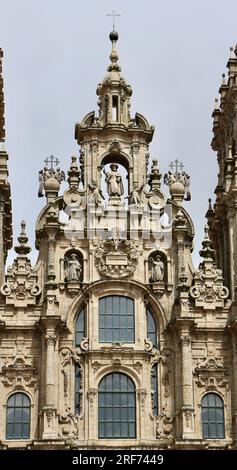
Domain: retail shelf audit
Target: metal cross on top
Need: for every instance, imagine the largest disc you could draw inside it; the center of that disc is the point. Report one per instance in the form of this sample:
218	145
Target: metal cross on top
176	166
113	14
51	161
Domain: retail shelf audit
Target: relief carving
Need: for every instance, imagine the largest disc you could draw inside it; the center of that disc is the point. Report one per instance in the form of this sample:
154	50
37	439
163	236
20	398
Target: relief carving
165	425
19	373
116	258
211	374
68	425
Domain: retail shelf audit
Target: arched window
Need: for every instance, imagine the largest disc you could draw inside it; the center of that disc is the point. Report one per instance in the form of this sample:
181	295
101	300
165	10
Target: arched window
77	389
213	417
117	407
116	319
151	328
154	383
80	327
18	417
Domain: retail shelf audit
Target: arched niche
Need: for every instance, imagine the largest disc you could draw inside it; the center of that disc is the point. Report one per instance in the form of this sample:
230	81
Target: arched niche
157	267
123	160
73	266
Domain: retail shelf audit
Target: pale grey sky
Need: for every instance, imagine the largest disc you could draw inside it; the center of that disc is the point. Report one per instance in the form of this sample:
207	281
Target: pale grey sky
55	52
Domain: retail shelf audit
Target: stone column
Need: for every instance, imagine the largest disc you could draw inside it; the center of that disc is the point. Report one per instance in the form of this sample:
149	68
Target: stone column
2	260
234	371
231	252
50	423
187	384
142	399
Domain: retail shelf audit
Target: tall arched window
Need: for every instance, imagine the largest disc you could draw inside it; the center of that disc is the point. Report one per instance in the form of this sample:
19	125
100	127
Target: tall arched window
154	382
151	328
116	319
77	389
18	417
213	417
80	327
117	407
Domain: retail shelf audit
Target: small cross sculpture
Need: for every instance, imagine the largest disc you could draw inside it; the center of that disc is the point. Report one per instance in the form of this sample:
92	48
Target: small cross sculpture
51	161
176	166
113	14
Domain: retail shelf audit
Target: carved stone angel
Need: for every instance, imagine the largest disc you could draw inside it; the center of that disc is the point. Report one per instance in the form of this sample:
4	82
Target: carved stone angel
135	195
96	195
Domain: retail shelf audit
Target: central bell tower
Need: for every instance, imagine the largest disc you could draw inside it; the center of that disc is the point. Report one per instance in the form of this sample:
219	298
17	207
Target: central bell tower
112	136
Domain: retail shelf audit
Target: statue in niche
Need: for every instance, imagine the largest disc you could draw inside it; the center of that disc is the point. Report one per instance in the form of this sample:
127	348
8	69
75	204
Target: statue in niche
157	269
114	181
96	195
73	268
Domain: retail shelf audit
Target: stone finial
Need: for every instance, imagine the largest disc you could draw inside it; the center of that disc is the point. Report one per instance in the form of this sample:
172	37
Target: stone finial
178	181
2	107
232	54
73	174
155	176
22	248
50	179
114	54
223	82
207	252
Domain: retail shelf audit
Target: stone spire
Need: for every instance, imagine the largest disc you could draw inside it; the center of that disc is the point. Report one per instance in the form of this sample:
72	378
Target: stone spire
2	118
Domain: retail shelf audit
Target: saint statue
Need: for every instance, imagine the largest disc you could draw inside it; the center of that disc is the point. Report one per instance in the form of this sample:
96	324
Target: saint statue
157	269
114	181
73	268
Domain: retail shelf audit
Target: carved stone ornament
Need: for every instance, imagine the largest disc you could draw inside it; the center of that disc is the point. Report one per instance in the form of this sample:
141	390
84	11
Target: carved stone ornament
21	286
165	425
19	373
211	374
68	425
208	291
116	258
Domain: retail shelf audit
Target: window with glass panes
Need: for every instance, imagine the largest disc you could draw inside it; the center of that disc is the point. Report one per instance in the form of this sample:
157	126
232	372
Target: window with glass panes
77	389
116	319
80	327
213	417
154	381
117	407
151	328
18	417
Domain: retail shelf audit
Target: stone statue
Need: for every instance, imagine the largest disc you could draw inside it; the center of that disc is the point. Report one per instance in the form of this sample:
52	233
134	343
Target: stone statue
170	178
96	195
135	195
59	175
157	269
114	181
73	268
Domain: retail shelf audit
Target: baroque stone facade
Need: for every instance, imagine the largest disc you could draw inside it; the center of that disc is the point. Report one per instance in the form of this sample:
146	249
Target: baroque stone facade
114	339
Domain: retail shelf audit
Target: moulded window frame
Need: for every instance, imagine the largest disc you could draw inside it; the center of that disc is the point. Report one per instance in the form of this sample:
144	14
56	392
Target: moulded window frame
224	417
31	405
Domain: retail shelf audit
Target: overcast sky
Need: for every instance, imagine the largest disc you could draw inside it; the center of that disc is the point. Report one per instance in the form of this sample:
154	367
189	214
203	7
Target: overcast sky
56	52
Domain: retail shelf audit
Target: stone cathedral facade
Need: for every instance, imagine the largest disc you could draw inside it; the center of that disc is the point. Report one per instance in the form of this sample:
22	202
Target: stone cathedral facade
113	339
